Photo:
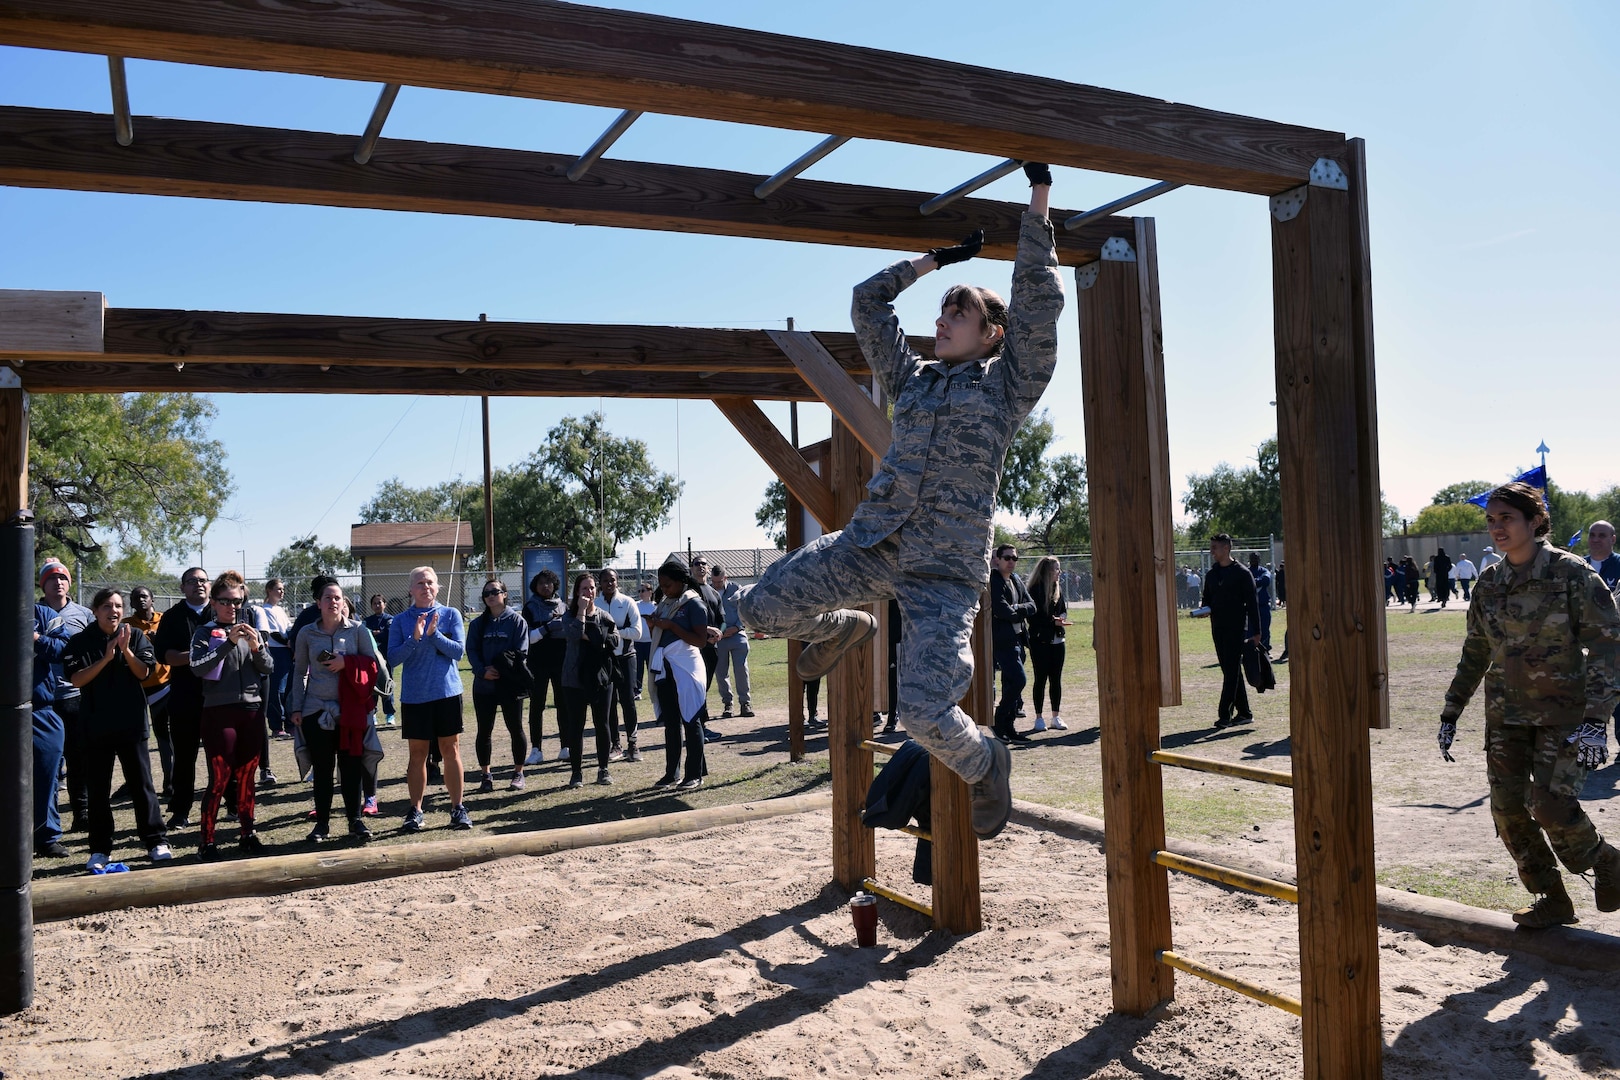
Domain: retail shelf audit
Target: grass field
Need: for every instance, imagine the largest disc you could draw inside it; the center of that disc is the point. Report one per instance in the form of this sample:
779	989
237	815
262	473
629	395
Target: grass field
1433	835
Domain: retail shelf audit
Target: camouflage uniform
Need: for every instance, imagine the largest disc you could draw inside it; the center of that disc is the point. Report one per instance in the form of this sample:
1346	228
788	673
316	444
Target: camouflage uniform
1545	639
923	535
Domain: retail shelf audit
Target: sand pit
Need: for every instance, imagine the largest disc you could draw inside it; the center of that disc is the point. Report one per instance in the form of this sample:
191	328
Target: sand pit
724	954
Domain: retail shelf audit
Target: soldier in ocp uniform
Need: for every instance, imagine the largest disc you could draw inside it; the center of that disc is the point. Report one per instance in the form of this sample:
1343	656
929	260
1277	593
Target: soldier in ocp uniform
1544	637
922	537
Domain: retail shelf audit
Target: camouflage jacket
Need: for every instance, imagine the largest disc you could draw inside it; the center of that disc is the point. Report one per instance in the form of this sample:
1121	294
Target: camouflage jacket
1545	639
935	489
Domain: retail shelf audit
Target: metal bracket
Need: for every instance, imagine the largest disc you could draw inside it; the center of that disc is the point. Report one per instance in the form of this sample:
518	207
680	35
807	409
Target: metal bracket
1286	207
9	379
1326	173
1086	276
1118	249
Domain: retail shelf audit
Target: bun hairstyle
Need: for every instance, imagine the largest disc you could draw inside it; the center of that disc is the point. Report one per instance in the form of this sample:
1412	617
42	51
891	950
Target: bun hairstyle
1527	501
676	569
991	309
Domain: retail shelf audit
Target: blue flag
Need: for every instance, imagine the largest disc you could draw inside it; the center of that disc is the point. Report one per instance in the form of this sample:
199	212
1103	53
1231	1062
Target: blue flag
1536	478
1576	538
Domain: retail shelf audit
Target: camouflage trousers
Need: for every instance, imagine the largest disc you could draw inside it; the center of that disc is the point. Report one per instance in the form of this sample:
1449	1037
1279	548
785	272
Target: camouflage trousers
1534	781
795	596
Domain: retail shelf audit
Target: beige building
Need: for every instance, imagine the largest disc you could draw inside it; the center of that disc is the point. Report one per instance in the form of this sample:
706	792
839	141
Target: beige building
389	551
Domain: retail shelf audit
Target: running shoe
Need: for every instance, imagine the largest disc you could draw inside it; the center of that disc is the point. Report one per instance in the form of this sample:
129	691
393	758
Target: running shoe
208	853
516	784
251	844
486	785
1058	724
562	755
460	820
413	821
667	783
160	853
602	777
98	862
691	785
318	835
536	756
576	781
358	830
369	806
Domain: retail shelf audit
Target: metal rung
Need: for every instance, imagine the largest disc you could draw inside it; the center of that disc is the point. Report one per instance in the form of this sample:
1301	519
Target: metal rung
799	164
1223	768
1231	982
374	126
877	747
900	898
1120	204
1226	875
984	179
123	128
603	142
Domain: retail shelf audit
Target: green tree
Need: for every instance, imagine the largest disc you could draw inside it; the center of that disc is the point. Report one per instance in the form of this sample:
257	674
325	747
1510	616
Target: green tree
1062	517
1241	502
1452	494
772	513
1571	510
306	557
395	501
1025	475
1458	517
140	469
1392	516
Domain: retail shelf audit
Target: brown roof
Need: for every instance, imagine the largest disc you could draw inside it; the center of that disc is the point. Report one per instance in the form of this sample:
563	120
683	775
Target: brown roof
402	536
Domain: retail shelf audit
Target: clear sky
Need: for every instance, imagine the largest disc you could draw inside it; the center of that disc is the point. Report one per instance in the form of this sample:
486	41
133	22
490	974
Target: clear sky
1493	146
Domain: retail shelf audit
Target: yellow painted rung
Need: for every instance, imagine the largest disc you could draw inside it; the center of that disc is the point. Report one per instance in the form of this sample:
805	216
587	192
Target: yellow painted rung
1223	768
1231	982
1226	875
900	898
912	830
877	747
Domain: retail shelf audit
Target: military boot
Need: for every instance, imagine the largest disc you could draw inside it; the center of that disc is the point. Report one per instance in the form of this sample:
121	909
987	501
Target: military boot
850	629
1606	869
1552	908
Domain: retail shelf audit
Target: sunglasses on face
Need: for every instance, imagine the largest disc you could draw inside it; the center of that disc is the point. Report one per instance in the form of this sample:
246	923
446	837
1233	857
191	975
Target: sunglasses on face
494	592
222	602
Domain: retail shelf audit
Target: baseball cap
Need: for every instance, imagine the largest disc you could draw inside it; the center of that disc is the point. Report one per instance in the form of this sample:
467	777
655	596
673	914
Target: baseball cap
53	566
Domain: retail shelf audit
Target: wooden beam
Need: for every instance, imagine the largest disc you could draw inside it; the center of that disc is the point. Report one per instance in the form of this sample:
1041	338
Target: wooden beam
1327	443
848	693
72	897
1157	466
810	490
52	321
1121	404
17	658
13	449
841	393
87	376
49	148
957	906
624	60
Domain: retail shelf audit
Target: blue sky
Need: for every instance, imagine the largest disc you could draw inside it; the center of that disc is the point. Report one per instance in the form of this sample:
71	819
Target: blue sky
1493	144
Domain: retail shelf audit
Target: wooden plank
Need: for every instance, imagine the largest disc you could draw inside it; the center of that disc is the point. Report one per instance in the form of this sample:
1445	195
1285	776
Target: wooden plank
1325	440
843	395
72	897
59	149
164	335
13	448
1124	487
957	905
807	488
625	60
51	321
847	694
1156	409
48	377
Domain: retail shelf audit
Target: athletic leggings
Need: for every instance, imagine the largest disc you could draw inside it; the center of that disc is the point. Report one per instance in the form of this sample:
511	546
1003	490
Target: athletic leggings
669	707
1047	660
511	708
233	739
324	754
575	700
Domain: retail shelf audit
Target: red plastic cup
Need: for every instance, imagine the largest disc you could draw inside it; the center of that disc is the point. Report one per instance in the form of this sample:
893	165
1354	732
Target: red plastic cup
863	910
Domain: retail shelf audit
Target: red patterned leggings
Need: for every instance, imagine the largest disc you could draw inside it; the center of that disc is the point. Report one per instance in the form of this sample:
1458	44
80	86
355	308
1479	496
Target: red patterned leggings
233	741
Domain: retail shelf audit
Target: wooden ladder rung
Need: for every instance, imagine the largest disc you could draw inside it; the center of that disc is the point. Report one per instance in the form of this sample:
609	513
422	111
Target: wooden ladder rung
1227	875
1222	768
877	747
1231	982
900	898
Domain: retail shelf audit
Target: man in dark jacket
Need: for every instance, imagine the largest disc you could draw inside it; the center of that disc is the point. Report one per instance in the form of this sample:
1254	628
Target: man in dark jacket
1010	606
173	647
1441	565
1234	616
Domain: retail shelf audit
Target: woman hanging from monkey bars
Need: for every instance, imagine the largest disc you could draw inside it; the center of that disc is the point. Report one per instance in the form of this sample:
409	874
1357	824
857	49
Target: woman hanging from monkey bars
922	537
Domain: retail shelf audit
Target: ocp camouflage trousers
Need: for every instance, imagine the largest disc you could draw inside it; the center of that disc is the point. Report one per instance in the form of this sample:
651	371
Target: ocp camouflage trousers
795	596
1534	781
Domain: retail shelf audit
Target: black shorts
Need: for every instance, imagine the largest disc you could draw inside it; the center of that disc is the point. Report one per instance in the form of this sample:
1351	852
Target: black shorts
431	719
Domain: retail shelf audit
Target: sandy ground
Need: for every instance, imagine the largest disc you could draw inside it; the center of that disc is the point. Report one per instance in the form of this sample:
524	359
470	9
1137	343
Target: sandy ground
726	955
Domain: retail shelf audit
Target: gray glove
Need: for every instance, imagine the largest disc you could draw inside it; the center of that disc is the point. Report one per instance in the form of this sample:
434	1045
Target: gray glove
1591	743
1448	733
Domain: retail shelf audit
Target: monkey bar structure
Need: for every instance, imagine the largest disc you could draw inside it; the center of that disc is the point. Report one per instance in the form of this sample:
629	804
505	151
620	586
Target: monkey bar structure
1315	184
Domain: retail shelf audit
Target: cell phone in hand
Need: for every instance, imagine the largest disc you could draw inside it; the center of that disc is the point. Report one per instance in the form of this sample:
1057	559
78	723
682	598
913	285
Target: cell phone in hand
324	655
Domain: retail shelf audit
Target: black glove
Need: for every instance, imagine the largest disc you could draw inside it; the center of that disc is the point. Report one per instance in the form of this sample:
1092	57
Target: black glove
1039	173
1591	741
1448	732
945	256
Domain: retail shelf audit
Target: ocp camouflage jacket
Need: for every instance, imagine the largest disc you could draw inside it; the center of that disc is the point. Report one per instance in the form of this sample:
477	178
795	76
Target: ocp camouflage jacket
935	489
1545	639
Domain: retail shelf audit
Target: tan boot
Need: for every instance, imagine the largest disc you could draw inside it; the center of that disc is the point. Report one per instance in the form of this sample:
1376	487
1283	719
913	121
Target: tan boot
818	658
1552	908
1606	869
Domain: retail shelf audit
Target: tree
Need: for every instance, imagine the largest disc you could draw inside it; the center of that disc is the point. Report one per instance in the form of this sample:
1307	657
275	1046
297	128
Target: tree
772	513
1452	494
305	557
1025	475
1391	516
1570	510
137	468
1457	517
395	501
1240	502
1062	518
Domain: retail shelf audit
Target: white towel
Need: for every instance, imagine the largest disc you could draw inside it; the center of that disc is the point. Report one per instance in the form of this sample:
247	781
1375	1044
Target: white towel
683	663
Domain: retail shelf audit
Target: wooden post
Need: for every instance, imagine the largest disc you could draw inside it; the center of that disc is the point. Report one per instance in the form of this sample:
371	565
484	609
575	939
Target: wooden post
956	848
848	691
489	502
1122	372
1327	443
16	702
